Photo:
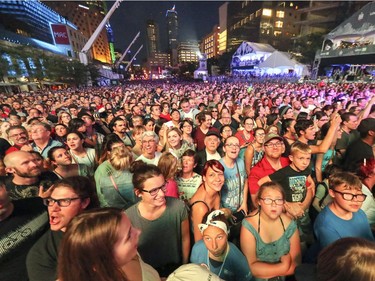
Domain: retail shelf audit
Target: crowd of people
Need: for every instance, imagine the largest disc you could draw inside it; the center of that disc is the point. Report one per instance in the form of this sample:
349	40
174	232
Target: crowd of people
258	181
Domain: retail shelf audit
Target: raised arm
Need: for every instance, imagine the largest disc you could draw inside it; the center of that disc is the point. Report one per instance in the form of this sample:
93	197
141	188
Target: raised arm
326	143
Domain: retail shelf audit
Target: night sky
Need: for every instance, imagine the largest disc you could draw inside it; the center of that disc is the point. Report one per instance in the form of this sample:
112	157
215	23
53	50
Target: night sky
195	19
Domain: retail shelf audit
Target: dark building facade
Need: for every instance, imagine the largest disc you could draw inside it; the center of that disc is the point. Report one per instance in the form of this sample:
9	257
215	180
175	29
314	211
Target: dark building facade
172	34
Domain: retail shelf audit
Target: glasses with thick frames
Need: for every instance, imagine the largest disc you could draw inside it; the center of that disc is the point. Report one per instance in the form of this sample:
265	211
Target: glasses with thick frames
349	197
276	144
154	191
63	202
269	201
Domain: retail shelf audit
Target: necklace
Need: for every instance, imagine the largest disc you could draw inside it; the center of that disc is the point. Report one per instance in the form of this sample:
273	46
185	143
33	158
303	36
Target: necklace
222	265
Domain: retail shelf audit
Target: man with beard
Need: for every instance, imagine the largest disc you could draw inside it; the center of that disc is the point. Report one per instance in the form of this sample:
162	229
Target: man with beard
27	176
119	126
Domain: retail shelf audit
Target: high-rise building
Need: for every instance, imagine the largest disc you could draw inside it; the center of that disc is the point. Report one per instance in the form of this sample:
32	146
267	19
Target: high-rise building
86	15
210	43
188	52
262	22
223	16
172	34
36	25
323	16
152	38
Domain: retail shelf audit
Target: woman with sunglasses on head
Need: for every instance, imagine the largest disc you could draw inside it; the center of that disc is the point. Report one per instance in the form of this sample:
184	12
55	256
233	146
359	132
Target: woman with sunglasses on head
269	238
69	197
165	241
110	233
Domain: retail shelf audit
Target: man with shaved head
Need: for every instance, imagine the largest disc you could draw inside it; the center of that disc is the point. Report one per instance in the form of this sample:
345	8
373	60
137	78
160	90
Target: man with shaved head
26	176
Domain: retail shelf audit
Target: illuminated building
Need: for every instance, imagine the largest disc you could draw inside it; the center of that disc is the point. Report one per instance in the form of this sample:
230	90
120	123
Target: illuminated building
223	15
172	34
210	43
262	22
34	24
86	15
323	16
152	38
188	52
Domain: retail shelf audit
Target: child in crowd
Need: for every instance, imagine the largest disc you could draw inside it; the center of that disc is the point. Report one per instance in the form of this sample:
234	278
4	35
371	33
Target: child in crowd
299	188
343	217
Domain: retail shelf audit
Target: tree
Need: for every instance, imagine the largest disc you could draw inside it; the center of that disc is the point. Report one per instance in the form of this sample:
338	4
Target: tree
307	47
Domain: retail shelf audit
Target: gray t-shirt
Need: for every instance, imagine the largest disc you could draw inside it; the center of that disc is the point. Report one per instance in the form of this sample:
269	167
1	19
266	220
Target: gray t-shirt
160	243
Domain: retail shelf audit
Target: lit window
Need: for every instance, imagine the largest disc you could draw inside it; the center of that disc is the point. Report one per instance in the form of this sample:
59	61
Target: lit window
267	12
277	33
280	14
279	24
291	4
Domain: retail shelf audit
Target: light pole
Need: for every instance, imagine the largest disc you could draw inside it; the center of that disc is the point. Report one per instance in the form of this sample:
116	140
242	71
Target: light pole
88	45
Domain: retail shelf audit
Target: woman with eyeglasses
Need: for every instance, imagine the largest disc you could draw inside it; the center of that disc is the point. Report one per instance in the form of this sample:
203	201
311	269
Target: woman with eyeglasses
269	238
186	127
254	152
214	114
165	241
69	197
245	136
110	233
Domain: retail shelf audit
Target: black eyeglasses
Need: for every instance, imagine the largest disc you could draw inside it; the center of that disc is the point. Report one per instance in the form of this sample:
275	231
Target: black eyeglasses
269	201
63	202
276	144
350	197
154	191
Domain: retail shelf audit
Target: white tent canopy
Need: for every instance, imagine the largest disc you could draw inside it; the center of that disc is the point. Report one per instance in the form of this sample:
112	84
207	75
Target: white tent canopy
280	62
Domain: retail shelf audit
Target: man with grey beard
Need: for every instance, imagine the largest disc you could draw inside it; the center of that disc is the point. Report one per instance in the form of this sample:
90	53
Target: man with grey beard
26	176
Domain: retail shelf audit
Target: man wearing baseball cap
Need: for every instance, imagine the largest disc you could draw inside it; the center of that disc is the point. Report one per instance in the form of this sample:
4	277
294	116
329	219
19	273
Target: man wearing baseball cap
271	162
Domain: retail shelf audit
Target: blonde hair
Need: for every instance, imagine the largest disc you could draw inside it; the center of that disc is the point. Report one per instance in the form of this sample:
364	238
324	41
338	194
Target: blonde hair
299	147
120	158
168	165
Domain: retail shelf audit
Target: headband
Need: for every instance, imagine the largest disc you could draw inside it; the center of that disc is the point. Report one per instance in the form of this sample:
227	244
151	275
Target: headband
202	226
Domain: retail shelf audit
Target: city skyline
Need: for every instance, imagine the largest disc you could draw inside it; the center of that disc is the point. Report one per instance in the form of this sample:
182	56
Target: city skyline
196	19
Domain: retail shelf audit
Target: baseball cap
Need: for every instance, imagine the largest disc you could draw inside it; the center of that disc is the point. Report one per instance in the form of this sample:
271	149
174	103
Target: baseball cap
272	136
212	133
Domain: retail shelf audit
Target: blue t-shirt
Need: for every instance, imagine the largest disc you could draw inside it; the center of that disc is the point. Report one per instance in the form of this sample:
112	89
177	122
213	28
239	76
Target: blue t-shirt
328	227
235	267
232	191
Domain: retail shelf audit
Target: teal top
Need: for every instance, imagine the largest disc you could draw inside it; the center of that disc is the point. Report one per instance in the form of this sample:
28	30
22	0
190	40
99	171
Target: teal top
272	252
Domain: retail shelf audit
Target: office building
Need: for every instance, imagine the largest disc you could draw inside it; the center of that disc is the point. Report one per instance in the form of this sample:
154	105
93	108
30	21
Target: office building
262	22
87	15
188	52
172	34
152	42
210	43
